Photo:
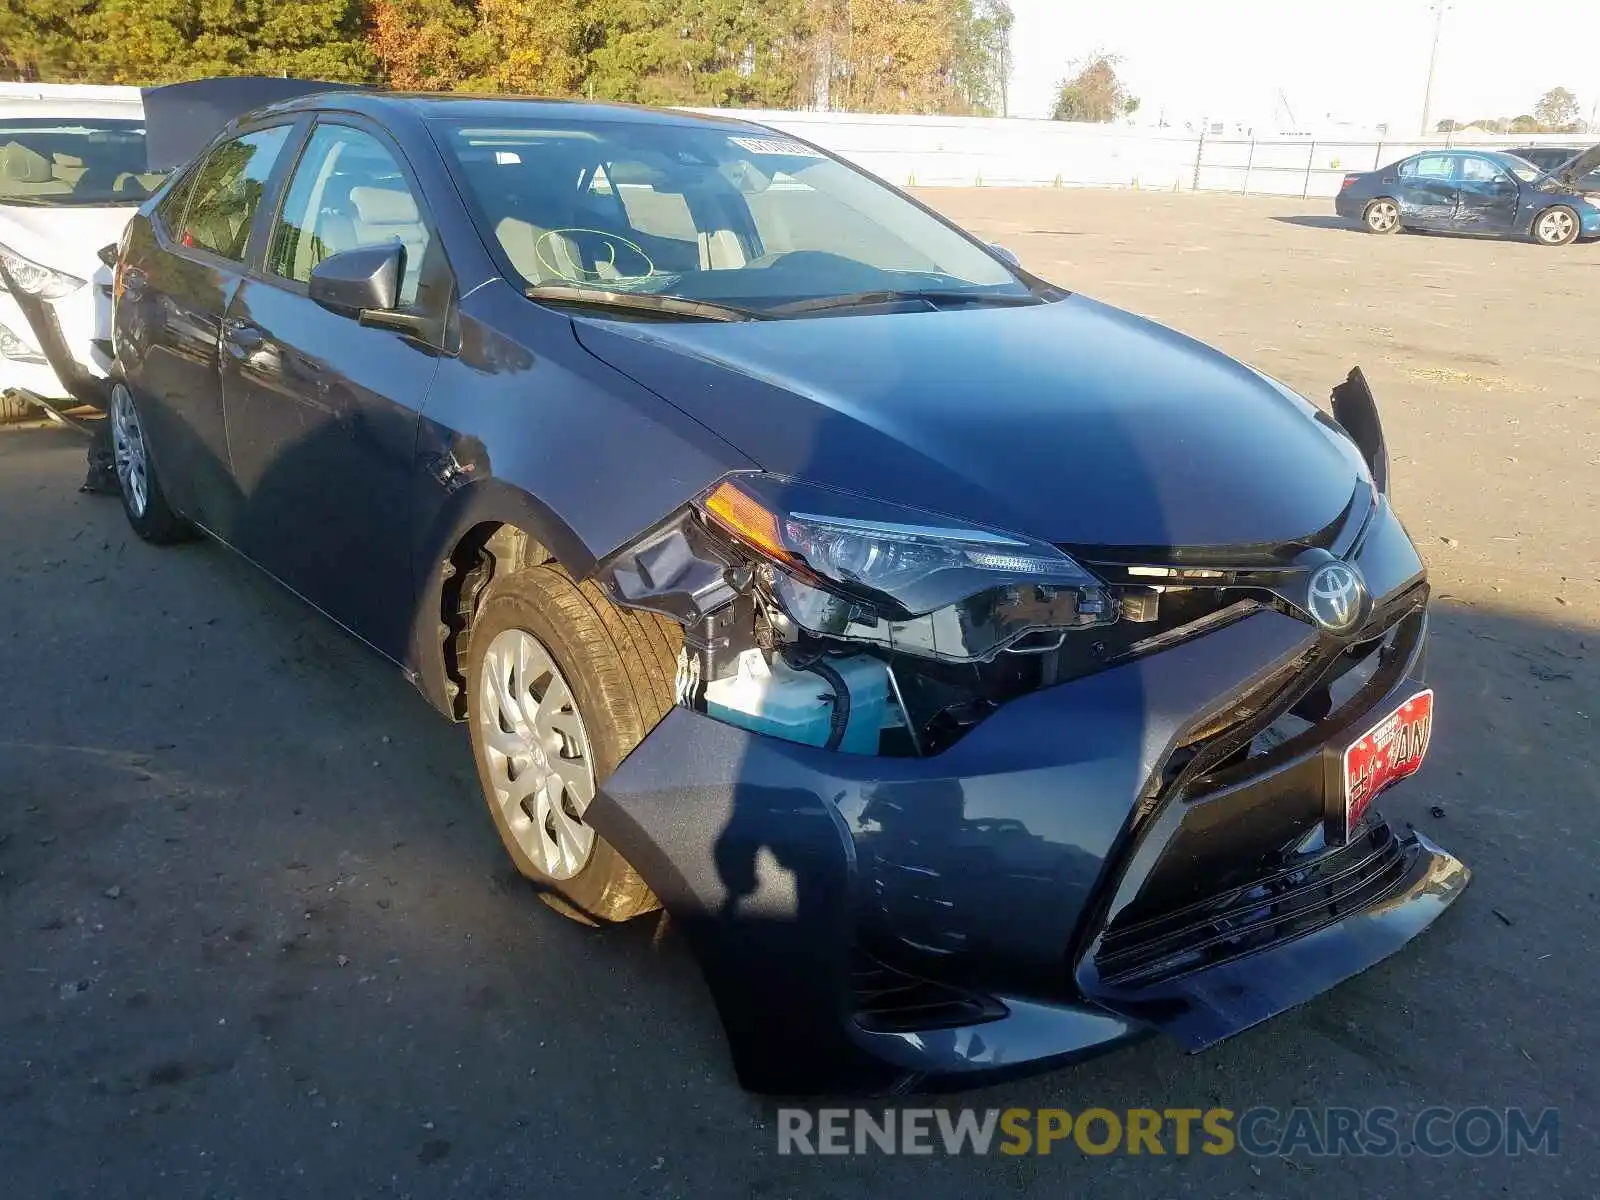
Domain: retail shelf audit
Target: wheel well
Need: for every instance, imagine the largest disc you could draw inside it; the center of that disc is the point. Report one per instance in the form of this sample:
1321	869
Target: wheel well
485	552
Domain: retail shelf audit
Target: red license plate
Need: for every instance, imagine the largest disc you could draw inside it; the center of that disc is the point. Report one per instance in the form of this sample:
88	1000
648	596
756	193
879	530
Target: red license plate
1385	754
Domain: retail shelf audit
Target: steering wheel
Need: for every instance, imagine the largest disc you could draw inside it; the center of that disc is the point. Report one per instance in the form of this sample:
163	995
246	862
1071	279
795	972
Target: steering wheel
628	261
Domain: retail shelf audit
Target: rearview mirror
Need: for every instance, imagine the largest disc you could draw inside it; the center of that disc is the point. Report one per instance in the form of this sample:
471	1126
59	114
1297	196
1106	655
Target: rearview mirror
356	281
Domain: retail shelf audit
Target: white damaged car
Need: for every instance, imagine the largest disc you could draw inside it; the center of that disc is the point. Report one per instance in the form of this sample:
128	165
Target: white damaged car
73	170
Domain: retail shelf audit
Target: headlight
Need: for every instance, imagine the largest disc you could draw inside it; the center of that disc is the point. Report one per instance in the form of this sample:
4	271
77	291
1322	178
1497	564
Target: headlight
35	280
879	551
863	570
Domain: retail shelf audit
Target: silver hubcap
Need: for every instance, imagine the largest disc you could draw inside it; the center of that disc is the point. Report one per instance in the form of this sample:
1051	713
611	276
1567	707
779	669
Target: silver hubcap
127	443
1555	226
541	769
1383	217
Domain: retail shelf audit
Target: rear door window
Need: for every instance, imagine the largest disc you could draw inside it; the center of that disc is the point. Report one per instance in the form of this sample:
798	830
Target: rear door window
1427	166
168	216
227	192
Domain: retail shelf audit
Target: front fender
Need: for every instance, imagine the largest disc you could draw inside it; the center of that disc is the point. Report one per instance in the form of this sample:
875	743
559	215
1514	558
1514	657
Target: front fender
525	428
468	505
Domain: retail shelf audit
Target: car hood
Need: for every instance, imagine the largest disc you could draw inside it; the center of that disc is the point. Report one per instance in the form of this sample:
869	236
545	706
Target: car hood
63	239
1583	164
1070	421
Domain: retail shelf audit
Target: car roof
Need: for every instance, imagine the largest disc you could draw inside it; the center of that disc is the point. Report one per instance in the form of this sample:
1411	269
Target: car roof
430	106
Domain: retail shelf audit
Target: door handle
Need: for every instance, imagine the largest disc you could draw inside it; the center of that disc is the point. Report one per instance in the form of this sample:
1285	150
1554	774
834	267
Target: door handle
242	334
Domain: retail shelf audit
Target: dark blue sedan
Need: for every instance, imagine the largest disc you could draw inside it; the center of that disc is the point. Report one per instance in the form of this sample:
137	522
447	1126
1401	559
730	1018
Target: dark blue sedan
1478	192
980	676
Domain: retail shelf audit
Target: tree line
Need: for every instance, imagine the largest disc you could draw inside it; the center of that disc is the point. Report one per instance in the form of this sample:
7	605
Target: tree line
895	56
1557	111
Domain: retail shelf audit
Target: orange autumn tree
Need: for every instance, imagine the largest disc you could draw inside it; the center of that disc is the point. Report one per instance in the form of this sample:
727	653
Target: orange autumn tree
878	55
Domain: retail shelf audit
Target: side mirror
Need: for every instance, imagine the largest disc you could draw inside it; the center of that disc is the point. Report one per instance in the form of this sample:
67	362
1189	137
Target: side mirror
353	282
1009	255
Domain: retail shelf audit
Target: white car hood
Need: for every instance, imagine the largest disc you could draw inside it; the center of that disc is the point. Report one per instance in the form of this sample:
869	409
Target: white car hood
63	239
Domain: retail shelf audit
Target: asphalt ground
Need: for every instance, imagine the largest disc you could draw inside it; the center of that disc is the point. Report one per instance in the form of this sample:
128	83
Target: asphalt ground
258	938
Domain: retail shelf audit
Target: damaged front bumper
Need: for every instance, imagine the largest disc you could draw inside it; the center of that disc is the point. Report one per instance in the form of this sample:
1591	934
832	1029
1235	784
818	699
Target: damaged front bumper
61	349
1158	847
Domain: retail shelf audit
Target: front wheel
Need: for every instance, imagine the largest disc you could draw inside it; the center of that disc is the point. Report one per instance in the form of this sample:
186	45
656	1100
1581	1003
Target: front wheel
143	500
562	684
1382	216
1555	226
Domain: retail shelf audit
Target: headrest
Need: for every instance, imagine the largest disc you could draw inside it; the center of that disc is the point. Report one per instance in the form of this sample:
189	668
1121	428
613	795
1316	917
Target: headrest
21	165
66	160
384	206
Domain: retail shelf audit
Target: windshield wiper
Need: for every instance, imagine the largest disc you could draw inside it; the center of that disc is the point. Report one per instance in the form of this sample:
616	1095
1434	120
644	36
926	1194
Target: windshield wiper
936	299
677	306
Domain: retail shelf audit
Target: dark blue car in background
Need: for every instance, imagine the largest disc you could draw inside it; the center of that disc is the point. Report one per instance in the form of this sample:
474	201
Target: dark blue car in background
1481	192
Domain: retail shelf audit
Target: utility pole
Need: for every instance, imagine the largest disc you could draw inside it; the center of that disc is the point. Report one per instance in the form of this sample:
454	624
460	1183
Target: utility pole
1005	75
1439	8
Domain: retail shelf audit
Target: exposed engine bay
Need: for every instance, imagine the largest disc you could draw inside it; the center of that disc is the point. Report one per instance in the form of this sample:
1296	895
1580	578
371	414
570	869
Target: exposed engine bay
775	644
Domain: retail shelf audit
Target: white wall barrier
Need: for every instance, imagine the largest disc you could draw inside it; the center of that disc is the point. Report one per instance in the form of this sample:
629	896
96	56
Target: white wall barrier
993	152
998	152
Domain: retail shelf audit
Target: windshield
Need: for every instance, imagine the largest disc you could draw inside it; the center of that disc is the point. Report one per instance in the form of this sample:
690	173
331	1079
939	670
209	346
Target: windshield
53	163
1524	171
732	217
1546	158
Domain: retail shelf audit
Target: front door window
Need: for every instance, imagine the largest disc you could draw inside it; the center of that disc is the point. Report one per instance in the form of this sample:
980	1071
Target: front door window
348	191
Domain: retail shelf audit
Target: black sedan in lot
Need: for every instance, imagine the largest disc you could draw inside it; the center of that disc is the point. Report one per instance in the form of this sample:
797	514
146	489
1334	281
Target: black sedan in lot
1480	192
981	676
1577	166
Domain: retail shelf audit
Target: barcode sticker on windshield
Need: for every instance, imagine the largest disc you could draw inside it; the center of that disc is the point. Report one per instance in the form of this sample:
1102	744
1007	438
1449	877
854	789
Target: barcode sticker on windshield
757	145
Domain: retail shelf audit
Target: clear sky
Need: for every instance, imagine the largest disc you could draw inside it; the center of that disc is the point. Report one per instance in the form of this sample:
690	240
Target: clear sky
1360	60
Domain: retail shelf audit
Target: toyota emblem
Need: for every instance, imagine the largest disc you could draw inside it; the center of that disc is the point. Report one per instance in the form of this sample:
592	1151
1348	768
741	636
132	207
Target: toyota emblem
1336	596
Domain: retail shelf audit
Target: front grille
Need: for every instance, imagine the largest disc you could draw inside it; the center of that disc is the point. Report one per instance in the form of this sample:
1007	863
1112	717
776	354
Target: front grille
885	999
1335	691
1286	904
1229	745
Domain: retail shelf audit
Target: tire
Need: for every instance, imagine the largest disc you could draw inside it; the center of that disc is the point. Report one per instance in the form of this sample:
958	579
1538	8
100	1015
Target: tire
1381	216
14	408
1557	225
618	668
143	499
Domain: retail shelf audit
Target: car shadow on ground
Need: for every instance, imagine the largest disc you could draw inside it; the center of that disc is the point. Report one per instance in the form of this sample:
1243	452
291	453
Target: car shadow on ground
1320	221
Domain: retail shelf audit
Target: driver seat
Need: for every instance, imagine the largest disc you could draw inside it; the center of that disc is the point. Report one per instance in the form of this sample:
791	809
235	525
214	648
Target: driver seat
540	257
26	172
547	203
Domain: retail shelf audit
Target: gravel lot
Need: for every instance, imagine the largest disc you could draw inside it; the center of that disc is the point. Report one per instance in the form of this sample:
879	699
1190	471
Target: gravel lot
257	937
